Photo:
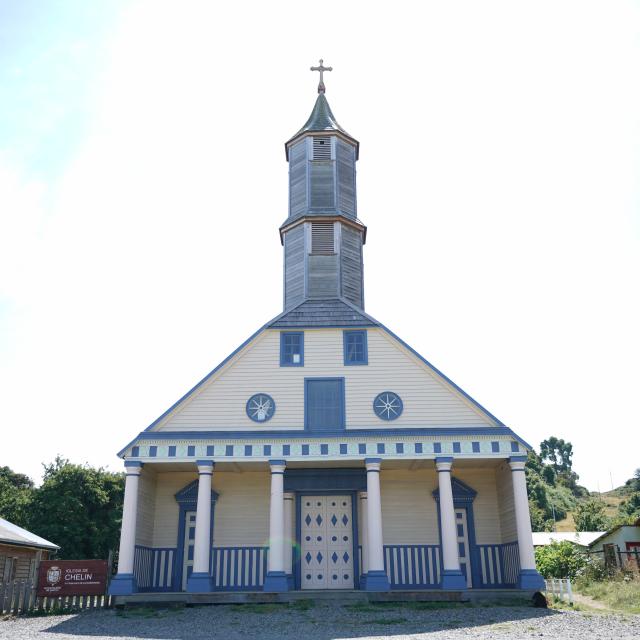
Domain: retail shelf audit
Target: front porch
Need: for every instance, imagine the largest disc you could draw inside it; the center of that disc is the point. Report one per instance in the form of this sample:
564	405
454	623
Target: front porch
296	528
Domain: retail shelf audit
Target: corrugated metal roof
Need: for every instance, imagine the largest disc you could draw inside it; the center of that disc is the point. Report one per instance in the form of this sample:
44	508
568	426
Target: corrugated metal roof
582	538
322	313
13	534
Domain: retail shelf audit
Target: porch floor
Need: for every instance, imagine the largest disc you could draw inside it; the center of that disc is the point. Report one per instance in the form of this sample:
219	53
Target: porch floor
348	596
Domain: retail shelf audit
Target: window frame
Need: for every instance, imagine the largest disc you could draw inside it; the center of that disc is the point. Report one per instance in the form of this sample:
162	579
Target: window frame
343	412
282	341
358	363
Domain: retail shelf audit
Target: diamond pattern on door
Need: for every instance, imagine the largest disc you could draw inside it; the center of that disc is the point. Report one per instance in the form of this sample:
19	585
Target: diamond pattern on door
326	542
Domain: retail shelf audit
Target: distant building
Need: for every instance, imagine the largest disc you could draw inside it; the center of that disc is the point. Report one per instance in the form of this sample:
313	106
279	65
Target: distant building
619	545
21	552
581	538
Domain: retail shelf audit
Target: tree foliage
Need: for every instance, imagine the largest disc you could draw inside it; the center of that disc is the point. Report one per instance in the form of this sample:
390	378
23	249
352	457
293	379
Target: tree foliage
590	516
629	509
77	507
559	560
557	452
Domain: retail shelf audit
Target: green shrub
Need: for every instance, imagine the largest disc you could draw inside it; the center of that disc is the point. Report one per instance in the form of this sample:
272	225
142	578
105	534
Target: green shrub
559	560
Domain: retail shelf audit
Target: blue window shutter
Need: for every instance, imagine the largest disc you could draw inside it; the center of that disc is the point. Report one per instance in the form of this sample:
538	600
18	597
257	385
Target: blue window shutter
324	404
475	447
191	450
172	451
209	449
135	452
437	447
456	447
514	447
495	447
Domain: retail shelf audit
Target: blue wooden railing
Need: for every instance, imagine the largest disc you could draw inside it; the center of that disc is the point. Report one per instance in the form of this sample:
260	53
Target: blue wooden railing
239	568
154	568
499	564
412	566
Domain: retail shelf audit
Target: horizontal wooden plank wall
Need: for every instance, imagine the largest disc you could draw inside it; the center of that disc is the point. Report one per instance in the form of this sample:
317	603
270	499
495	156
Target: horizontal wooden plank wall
427	401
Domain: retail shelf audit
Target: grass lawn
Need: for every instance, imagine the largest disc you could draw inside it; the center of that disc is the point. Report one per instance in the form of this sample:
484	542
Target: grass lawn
617	594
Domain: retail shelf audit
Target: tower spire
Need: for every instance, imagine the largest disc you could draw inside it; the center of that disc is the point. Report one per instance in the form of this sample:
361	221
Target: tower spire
321	69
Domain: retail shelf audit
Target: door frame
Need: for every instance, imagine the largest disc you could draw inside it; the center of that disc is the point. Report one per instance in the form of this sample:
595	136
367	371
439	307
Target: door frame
297	560
187	499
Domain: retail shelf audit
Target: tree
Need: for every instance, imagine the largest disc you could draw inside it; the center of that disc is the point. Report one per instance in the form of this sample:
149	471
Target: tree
590	516
629	509
16	491
79	508
559	560
558	452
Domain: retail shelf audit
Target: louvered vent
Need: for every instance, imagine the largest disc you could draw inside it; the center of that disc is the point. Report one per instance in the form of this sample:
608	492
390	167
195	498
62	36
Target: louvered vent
322	148
322	239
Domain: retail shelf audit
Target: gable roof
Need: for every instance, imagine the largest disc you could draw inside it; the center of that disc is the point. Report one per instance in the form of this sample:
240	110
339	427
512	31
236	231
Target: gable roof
330	313
606	534
13	534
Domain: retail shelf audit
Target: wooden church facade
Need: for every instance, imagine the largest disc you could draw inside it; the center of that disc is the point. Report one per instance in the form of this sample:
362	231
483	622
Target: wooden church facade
325	453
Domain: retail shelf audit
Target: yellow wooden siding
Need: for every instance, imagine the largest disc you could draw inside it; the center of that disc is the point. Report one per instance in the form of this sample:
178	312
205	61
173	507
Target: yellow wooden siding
485	506
242	511
504	489
409	511
146	507
165	523
220	403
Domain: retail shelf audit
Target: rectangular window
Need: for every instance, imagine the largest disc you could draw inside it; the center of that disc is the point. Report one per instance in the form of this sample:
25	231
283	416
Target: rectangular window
437	447
172	451
514	447
456	447
343	449
355	347
495	447
286	449
399	447
248	450
362	448
209	449
475	447
153	451
324	404
292	349
266	450
228	450
324	449
418	447
191	450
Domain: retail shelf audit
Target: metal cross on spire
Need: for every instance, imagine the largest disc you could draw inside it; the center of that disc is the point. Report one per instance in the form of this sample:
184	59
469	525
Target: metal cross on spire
321	69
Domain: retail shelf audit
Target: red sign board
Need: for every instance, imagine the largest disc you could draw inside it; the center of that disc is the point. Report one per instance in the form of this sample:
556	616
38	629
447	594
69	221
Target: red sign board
72	578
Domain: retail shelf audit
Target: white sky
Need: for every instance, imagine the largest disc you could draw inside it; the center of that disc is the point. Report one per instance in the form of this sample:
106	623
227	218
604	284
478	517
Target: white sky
143	179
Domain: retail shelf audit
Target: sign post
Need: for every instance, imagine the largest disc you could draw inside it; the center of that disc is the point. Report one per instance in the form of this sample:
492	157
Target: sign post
59	578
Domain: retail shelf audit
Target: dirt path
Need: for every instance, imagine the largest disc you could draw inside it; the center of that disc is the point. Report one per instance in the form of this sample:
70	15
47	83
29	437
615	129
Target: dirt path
588	601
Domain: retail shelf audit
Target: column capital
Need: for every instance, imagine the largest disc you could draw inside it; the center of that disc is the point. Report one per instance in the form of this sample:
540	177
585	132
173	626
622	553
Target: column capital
278	466
362	495
132	467
205	466
372	464
288	496
517	463
444	463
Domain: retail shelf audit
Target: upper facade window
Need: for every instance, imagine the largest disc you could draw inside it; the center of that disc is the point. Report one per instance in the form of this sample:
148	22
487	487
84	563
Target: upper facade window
355	347
292	349
324	404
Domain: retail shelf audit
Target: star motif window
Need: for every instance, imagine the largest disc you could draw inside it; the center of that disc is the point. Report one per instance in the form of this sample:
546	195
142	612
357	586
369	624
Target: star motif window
260	407
387	405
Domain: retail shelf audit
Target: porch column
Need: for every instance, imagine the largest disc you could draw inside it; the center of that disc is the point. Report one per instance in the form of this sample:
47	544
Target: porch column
124	582
276	578
452	577
377	579
364	538
529	577
288	537
200	580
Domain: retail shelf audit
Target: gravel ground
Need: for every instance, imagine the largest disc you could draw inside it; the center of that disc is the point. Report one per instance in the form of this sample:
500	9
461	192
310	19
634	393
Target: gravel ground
325	622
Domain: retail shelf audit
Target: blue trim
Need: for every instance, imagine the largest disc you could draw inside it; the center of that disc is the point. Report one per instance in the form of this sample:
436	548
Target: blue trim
530	579
277	462
187	499
377	581
132	464
463	497
284	334
205	463
355	332
320	431
452	581
345	480
450	432
371	460
389	417
443	459
269	414
297	574
517	458
276	582
123	584
199	582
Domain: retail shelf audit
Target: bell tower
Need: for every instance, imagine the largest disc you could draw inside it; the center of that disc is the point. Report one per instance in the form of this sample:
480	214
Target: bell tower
322	236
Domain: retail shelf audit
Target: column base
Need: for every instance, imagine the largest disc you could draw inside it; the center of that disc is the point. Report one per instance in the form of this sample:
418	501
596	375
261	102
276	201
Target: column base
200	582
363	582
453	580
291	583
377	581
123	584
276	582
530	579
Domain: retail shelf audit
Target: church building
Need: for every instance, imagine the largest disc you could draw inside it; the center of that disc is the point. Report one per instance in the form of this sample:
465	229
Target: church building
325	452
